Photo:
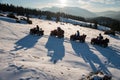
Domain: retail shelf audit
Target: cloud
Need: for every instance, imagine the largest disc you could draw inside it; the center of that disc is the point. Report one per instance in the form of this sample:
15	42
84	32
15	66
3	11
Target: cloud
99	1
92	5
42	5
83	2
106	1
100	5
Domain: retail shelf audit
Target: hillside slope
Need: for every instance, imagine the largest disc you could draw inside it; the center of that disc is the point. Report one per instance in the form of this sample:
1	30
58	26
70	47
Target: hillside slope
30	57
110	14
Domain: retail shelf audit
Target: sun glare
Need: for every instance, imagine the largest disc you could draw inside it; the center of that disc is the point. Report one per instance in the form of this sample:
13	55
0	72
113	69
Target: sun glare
63	3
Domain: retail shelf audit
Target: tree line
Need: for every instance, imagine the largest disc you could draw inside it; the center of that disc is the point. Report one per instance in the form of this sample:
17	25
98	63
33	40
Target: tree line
105	21
27	11
19	10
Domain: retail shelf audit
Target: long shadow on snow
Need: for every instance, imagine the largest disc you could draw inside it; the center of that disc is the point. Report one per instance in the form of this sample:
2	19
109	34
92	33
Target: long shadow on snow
8	19
115	37
11	20
83	50
26	42
55	48
112	56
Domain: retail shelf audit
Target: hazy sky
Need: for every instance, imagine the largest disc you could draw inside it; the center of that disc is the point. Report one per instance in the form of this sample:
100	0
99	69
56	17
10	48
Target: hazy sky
91	5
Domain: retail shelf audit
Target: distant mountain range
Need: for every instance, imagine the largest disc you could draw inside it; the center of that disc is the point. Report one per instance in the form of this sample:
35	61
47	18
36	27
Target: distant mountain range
83	12
110	14
72	10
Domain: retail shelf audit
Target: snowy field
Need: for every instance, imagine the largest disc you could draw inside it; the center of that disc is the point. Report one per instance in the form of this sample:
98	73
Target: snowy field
31	57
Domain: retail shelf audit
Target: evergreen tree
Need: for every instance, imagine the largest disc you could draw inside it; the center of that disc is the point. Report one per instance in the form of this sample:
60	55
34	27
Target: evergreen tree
48	17
95	25
57	19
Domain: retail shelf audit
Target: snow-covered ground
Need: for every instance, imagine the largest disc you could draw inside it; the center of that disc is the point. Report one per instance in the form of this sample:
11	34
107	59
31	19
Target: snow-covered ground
30	57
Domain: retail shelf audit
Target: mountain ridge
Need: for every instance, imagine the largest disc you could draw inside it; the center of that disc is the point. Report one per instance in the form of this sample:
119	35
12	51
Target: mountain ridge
83	12
110	14
72	11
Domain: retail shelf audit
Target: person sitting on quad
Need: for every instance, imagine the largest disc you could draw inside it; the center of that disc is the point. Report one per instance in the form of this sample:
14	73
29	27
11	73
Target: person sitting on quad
77	34
100	37
59	32
37	28
39	31
58	29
